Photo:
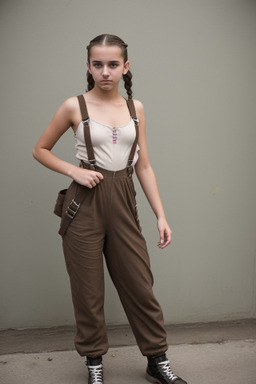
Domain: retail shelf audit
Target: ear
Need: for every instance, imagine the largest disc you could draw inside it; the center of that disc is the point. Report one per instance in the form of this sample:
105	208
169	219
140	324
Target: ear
126	67
88	66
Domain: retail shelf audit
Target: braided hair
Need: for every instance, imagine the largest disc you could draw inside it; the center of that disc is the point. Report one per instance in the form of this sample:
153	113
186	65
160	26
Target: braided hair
110	40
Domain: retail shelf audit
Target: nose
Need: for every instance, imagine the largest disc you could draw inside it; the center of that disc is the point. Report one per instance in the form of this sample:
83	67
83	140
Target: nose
105	72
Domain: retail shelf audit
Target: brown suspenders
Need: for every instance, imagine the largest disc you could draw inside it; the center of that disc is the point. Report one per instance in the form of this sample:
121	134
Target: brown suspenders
131	107
87	135
73	207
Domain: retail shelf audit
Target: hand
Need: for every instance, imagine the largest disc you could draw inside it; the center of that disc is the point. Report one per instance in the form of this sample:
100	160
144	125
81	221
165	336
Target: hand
87	177
165	233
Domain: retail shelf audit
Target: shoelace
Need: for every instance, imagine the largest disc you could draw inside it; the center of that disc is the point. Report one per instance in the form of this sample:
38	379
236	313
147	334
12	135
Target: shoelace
95	374
167	370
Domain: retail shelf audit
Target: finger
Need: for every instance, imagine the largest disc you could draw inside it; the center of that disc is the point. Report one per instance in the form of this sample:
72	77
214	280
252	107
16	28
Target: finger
99	175
166	241
161	242
163	245
169	237
161	236
93	183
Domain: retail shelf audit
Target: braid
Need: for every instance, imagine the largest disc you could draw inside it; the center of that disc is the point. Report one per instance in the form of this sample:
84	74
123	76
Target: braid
128	83
90	82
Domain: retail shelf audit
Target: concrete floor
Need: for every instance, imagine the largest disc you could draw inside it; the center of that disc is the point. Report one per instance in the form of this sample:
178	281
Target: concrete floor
215	353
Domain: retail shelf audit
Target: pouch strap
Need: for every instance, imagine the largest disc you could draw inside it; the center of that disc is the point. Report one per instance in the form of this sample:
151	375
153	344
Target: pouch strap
87	134
72	208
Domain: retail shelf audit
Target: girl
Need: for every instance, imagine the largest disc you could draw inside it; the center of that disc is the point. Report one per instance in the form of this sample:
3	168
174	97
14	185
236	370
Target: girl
99	215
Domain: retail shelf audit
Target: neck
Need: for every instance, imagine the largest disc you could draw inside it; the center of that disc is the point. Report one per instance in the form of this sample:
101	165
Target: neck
100	94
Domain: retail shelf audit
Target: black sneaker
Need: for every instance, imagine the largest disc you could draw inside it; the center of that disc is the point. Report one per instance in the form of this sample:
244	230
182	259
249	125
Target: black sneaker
95	370
159	371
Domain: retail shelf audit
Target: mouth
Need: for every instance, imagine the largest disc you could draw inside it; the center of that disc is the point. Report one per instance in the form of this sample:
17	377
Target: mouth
105	81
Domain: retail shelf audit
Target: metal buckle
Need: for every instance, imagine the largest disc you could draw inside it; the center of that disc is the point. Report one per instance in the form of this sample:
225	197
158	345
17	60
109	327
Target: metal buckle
72	209
129	171
86	120
136	121
92	164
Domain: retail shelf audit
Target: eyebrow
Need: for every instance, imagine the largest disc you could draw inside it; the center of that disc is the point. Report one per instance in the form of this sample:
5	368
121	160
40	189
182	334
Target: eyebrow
111	61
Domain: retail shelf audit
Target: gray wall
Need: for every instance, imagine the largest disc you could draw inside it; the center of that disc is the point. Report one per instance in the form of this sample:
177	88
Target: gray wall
194	69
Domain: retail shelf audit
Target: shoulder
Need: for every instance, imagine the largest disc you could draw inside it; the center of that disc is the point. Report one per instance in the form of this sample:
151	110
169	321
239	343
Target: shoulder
70	105
138	105
69	110
139	109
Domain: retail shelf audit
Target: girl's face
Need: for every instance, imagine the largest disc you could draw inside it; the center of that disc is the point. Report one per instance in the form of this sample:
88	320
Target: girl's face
107	66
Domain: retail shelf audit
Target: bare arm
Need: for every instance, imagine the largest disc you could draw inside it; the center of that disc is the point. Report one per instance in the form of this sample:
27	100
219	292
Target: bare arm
62	120
148	182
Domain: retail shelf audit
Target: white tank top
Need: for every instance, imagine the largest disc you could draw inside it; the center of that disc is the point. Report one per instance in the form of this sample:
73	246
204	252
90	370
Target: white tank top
111	145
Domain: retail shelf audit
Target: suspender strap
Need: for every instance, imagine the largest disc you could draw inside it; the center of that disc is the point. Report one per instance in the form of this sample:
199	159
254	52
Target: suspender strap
87	135
132	110
74	206
131	107
83	108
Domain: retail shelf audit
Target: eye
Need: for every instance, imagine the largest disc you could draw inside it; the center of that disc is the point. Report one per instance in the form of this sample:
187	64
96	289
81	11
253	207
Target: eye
97	65
114	65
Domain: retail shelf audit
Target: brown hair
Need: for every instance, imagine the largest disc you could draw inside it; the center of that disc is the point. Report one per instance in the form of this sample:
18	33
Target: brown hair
110	40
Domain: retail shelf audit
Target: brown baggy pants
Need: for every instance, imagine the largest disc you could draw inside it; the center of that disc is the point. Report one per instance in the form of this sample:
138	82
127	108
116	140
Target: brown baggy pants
107	223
